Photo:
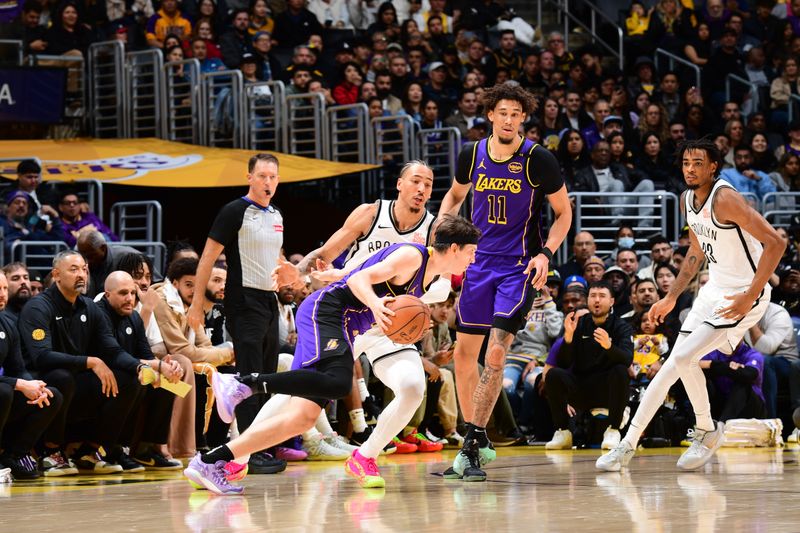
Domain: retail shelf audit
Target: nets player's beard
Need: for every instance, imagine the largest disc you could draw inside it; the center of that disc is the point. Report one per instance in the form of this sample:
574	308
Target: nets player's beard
211	297
692	186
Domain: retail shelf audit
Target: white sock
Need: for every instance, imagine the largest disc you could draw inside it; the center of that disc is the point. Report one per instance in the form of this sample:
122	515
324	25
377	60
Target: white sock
274	405
404	375
358	420
323	425
362	389
311	433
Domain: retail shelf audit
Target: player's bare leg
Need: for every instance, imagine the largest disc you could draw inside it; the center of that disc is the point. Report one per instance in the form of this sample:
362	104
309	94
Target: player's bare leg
465	358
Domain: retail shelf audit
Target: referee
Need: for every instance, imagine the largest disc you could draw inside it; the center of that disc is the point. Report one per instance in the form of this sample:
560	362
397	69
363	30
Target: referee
250	231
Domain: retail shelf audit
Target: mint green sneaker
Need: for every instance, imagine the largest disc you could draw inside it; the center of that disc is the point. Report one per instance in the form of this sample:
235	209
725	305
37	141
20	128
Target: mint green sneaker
486	456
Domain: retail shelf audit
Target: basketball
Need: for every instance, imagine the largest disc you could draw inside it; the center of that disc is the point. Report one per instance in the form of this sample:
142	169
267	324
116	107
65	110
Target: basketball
411	320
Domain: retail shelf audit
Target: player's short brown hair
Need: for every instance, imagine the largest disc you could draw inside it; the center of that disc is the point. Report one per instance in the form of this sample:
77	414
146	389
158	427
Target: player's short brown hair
508	91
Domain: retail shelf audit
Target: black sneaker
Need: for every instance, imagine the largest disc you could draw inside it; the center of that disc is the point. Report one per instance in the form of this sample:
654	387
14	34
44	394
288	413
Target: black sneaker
265	463
153	460
473	470
22	465
121	458
451	473
357	439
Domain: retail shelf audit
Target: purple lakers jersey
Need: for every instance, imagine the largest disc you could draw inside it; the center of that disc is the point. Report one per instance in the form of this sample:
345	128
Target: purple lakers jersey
336	306
508	196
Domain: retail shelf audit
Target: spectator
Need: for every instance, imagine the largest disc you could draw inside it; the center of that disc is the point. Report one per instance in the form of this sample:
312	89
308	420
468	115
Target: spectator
619	282
19	288
725	60
412	101
346	92
234	43
260	19
593	269
628	261
436	90
573	155
787	173
644	293
563	57
665	275
650	348
200	53
383	86
620	154
645	79
625	239
660	252
775	339
67	341
656	166
301	77
385	22
573	113
698	46
287	336
735	384
27	28
655	120
101	258
787	293
505	56
398	68
75	222
204	29
68	35
763	158
592	368
592	133
302	56
168	20
29	178
670	25
781	89
466	114
583	248
604	176
437	9
19	226
531	79
744	177
549	125
295	25
27	405
669	94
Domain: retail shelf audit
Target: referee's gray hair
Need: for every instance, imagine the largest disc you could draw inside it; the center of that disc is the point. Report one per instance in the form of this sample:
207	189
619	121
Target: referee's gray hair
413	163
60	256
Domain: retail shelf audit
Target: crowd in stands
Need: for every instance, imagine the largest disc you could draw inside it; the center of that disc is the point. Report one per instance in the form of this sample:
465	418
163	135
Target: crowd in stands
613	131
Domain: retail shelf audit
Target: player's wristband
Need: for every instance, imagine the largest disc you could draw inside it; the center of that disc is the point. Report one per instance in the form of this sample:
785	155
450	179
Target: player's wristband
545	251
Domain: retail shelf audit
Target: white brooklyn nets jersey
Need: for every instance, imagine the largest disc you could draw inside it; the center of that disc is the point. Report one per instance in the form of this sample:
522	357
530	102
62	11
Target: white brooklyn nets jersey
731	252
384	232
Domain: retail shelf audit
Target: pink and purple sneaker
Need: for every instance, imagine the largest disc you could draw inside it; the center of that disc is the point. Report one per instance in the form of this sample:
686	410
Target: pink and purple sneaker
210	476
228	393
290	454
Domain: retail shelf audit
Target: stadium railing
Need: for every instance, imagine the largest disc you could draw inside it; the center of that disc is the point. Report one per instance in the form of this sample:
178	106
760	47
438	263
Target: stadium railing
303	129
137	221
156	251
181	116
37	255
264	115
142	93
439	147
222	109
107	89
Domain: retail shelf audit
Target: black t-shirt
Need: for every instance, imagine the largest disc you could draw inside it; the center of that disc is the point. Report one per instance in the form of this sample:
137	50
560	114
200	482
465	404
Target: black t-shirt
253	237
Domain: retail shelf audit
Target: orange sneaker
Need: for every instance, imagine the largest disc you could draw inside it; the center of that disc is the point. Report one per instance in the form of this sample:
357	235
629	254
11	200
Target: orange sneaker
404	447
234	471
422	442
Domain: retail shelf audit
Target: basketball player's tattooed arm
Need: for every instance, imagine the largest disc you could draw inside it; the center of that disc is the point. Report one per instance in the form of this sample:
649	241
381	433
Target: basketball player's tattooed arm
491	380
356	225
731	208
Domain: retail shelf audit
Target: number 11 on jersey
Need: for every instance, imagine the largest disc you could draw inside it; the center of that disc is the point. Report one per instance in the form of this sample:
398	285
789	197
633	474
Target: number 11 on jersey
497	209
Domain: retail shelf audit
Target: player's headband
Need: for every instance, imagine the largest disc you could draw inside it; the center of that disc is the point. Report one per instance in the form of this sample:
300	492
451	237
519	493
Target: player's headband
447	241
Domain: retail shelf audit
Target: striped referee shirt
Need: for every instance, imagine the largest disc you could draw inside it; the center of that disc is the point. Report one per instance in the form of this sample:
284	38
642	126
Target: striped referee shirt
252	236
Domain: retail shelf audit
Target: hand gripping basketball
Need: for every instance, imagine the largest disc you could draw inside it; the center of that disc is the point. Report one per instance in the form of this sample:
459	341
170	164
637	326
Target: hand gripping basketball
411	320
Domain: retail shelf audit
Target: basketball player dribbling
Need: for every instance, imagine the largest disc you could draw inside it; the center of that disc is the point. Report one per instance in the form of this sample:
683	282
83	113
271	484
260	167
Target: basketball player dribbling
510	177
323	363
728	233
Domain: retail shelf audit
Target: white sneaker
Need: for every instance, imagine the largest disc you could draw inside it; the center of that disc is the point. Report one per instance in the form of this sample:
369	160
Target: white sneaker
340	443
434	438
562	440
611	439
319	450
617	459
454	440
704	444
794	438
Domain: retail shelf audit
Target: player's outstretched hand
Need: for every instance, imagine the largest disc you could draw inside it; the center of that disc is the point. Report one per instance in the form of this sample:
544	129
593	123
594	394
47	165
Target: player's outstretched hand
740	306
659	310
538	265
382	313
285	274
328	276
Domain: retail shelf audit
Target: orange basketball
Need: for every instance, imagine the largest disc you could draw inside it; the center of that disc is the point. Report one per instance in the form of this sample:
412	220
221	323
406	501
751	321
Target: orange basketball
411	320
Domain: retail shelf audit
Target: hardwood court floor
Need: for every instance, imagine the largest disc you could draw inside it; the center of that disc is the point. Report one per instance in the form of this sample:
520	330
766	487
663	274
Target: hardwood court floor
528	490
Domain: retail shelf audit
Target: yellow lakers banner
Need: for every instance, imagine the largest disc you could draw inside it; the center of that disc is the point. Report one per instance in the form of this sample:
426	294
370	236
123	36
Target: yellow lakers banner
156	163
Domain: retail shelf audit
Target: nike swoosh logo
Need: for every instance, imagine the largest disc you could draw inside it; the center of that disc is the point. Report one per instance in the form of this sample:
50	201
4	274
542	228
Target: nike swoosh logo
584	336
384	227
149	462
58	318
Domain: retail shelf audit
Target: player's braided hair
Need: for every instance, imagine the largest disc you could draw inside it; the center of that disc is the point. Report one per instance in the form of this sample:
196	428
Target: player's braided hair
508	91
706	144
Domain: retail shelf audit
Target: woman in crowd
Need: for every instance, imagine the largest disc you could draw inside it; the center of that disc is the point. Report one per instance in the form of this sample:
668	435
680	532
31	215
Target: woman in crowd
259	17
665	275
763	158
655	120
698	47
204	29
346	91
386	22
68	35
572	154
782	89
550	125
412	101
640	104
658	166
